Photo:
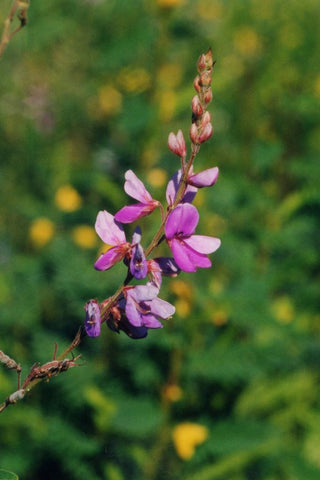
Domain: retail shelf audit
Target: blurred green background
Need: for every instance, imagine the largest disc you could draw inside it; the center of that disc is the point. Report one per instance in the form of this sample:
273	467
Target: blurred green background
229	388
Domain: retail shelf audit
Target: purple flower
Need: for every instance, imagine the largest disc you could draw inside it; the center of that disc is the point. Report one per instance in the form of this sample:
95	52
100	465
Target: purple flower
162	266
189	251
143	307
138	262
206	178
112	234
135	189
173	186
92	322
118	321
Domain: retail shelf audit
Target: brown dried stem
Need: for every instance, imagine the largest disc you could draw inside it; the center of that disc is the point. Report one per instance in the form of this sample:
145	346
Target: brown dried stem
38	372
20	7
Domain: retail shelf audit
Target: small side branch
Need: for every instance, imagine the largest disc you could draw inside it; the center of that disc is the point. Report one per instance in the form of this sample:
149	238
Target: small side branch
18	8
39	372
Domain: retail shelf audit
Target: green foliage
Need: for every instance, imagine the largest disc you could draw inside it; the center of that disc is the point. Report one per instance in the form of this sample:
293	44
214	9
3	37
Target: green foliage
89	89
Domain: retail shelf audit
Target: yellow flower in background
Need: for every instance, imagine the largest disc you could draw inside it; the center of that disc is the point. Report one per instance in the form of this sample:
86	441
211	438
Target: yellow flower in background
134	80
68	199
219	317
246	41
157	177
183	307
84	236
41	231
167	101
283	309
172	392
182	289
186	436
169	75
109	100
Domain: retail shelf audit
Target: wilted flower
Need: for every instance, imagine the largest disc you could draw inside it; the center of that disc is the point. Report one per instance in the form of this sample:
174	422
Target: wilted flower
189	251
136	189
111	232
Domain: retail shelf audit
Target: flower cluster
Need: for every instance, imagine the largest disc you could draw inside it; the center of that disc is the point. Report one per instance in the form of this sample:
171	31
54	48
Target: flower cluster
135	309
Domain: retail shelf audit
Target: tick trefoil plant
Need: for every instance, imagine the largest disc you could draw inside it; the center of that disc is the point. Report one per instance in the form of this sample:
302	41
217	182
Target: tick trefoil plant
134	309
136	306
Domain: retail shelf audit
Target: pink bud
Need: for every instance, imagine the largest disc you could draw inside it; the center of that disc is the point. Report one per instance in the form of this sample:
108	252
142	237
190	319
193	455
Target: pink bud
208	96
205	78
177	144
194	133
201	65
205	119
206	133
208	59
196	83
196	106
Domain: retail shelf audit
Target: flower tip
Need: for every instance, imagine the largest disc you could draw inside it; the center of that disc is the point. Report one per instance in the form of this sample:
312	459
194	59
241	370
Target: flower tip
177	144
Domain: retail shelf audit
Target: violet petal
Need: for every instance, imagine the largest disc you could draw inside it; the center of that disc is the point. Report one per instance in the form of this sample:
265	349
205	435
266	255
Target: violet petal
183	219
135	188
92	322
203	243
108	230
206	178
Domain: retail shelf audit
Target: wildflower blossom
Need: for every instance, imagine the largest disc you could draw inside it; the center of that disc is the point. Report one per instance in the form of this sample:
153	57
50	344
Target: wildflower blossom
93	318
189	251
143	307
111	232
136	189
138	262
162	266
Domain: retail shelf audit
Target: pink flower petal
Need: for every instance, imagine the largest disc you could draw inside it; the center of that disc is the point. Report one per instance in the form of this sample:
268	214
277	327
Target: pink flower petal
108	230
183	219
173	186
206	178
132	313
135	188
161	308
181	256
130	213
112	256
203	243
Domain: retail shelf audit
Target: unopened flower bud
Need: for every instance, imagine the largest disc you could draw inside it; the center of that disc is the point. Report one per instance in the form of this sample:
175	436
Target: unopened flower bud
177	144
194	133
196	106
208	96
205	78
206	133
196	84
208	58
201	65
206	118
